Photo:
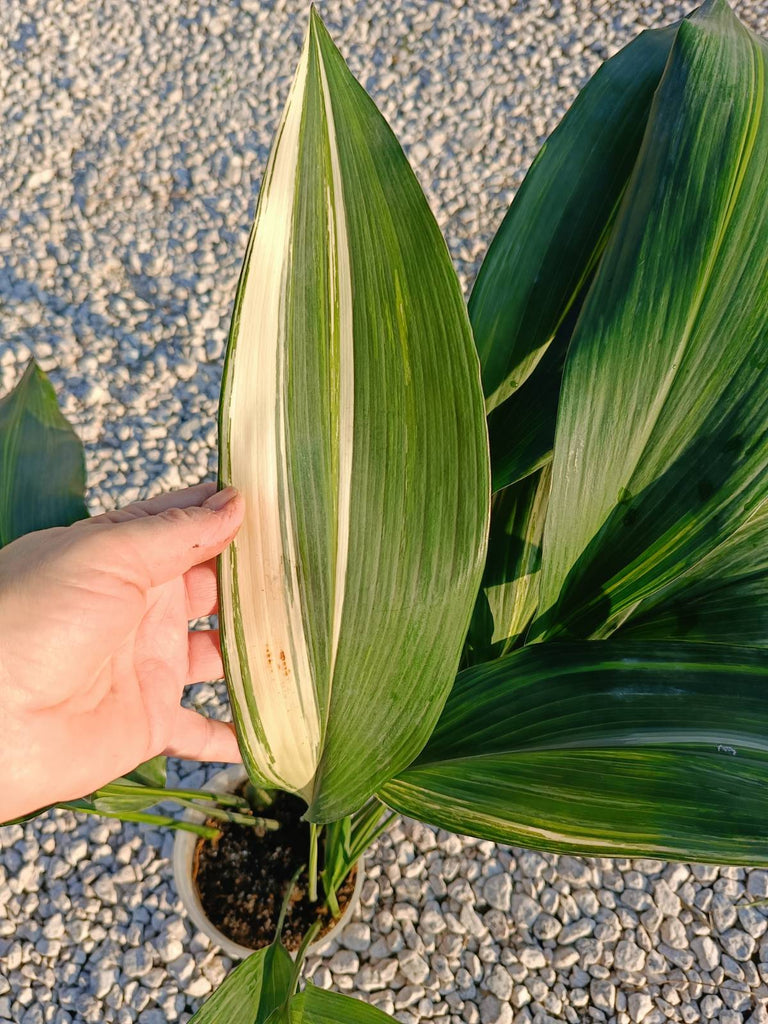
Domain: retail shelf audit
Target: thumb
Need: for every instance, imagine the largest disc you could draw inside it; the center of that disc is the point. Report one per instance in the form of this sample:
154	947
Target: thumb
161	546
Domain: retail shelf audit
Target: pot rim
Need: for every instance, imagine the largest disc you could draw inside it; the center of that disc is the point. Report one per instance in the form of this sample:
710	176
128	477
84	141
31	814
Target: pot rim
183	853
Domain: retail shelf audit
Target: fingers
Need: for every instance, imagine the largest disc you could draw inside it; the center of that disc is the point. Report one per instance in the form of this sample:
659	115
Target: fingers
205	663
202	739
150	549
172	499
202	596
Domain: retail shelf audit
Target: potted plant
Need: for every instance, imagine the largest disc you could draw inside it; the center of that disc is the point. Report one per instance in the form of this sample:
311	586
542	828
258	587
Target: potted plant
614	660
234	884
606	606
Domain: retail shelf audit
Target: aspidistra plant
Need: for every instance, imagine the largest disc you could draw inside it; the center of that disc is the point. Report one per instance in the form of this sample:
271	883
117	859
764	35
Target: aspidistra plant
625	586
612	695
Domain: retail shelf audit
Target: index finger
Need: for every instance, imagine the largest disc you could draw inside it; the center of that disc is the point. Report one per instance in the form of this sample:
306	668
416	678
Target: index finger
185	498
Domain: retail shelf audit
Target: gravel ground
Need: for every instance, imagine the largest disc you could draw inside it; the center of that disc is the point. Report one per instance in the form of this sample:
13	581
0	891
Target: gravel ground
134	137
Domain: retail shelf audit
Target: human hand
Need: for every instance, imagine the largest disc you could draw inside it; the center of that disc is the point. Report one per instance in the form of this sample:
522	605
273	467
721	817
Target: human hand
95	650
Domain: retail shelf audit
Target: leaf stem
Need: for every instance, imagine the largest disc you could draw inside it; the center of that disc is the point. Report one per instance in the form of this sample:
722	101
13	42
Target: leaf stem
312	870
222	814
225	799
206	831
301	954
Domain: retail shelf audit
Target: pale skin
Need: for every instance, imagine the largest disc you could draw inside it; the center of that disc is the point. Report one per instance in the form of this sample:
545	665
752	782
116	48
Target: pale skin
95	649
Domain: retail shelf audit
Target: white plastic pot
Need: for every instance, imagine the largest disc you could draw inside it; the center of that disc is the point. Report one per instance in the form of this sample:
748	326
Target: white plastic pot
184	844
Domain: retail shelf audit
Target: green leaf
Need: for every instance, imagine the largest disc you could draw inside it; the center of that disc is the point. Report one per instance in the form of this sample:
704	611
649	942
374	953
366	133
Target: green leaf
144	781
661	450
509	592
317	1006
42	465
352	419
253	991
721	599
555	230
345	842
150	773
521	431
612	748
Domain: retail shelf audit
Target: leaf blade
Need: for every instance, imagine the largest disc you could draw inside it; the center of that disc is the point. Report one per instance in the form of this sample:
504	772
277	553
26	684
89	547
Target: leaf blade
509	592
42	463
673	334
721	599
603	748
372	455
555	229
319	1006
253	991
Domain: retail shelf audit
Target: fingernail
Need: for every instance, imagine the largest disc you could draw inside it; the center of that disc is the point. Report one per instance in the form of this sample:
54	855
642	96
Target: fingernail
221	499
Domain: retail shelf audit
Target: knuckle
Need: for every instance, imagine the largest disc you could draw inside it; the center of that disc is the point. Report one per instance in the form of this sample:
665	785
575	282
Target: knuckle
181	516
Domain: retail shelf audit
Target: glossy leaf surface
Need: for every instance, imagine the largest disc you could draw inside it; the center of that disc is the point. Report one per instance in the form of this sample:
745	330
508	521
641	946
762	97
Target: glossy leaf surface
42	465
661	451
318	1006
721	599
352	419
612	748
509	592
253	992
555	230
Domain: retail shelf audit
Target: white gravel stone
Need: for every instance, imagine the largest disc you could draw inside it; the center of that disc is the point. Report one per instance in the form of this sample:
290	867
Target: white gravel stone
136	963
667	902
603	995
500	983
356	936
498	891
628	956
739	945
673	933
574	870
757	884
344	962
525	910
639	1005
414	967
492	1011
723	912
707	952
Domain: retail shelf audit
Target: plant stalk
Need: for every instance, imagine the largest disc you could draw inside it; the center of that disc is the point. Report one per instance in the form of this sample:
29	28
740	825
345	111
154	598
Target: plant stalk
220	814
225	799
206	831
312	869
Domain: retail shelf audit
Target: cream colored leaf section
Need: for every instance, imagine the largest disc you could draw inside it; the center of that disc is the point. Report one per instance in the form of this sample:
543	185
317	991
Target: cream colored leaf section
340	248
260	599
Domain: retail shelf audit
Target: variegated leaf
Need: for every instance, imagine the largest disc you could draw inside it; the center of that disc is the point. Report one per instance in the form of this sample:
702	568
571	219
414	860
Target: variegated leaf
352	420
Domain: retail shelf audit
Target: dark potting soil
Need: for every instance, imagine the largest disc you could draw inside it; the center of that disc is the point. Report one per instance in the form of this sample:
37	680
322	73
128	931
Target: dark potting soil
242	878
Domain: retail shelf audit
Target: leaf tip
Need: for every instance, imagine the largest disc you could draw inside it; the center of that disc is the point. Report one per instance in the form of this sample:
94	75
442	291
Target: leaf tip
317	32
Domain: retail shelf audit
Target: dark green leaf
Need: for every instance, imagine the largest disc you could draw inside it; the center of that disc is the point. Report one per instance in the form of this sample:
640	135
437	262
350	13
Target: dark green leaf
150	773
661	450
509	592
317	1006
42	466
722	599
613	748
555	230
253	991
